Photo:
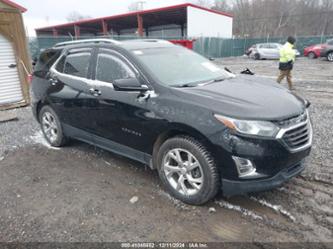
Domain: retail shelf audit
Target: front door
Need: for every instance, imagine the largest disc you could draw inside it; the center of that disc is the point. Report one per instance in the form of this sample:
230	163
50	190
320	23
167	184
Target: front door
121	115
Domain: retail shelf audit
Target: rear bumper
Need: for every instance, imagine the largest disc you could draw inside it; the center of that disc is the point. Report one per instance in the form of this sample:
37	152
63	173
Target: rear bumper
230	187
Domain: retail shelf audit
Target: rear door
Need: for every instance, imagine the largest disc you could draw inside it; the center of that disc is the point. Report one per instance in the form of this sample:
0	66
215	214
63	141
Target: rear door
264	50
70	92
274	51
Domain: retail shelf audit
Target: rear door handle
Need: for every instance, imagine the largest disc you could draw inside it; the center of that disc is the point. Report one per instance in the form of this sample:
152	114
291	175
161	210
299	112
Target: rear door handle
53	81
95	92
12	66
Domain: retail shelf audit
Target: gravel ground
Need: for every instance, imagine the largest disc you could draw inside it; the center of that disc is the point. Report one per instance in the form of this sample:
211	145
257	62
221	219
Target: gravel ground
81	193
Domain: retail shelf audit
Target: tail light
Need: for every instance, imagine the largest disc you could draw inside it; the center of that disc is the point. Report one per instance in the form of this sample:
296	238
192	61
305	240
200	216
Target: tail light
29	78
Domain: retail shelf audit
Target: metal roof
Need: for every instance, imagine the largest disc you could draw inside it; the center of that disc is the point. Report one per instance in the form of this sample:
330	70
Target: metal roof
171	10
14	5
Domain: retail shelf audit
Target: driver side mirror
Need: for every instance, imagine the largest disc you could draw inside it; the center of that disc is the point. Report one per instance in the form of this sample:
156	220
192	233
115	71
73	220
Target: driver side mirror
129	85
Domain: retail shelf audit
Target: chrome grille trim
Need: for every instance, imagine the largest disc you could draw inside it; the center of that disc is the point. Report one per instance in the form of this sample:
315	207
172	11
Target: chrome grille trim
296	137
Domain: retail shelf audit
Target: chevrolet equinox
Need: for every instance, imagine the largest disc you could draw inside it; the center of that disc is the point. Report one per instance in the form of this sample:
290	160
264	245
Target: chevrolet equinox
203	128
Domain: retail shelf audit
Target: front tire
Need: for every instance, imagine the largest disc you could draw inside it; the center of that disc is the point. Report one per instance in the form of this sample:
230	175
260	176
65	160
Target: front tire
330	56
51	127
188	170
312	55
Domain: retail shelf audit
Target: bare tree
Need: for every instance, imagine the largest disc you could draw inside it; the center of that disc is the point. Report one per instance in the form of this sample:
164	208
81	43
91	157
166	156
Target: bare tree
203	3
278	18
136	6
222	5
76	16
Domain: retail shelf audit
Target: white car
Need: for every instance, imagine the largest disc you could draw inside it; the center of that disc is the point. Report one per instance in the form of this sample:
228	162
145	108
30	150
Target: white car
267	51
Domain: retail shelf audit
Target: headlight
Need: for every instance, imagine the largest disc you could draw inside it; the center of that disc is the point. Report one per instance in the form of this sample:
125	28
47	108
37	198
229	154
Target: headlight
250	127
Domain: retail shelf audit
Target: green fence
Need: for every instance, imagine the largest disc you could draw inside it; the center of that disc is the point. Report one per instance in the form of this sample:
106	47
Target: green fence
207	46
217	47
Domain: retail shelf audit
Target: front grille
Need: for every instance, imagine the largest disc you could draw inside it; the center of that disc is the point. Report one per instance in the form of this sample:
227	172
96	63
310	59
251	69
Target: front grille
297	137
296	132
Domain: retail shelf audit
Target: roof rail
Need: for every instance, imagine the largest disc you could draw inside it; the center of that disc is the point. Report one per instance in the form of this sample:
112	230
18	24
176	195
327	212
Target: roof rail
98	40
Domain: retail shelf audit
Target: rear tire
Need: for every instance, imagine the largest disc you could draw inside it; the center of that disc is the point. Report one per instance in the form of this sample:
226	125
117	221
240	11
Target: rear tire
330	56
187	170
257	56
51	127
312	55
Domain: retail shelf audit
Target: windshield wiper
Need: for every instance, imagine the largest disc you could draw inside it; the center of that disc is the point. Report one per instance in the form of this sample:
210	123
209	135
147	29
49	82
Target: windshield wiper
186	85
201	82
219	79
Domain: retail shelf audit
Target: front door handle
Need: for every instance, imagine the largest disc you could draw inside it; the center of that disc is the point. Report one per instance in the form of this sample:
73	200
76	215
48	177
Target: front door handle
12	66
95	92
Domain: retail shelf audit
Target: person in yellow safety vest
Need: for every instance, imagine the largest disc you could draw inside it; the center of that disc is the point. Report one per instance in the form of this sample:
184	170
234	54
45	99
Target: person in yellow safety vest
287	59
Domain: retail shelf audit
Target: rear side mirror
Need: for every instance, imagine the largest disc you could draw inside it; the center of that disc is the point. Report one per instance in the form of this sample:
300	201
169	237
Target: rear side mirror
129	85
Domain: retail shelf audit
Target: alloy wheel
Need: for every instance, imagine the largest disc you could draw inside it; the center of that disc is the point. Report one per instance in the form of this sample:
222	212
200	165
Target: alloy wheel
50	127
312	55
183	171
330	56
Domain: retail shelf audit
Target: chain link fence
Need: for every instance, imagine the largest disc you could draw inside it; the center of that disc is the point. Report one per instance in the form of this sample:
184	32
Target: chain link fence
207	46
217	47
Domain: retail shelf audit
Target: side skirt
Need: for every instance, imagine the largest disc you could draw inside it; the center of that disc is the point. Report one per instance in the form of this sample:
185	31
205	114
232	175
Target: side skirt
107	144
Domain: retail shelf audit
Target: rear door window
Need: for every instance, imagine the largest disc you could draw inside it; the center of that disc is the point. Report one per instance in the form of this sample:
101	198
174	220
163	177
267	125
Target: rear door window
273	46
264	46
109	67
45	62
76	63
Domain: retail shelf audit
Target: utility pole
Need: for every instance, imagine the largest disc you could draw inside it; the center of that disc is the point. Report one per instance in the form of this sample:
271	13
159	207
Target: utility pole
140	5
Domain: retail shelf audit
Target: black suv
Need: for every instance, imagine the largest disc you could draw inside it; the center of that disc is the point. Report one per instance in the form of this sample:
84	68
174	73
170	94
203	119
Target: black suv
202	128
327	50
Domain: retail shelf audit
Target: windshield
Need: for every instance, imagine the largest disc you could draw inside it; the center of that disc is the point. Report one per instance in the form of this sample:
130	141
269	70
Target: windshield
177	66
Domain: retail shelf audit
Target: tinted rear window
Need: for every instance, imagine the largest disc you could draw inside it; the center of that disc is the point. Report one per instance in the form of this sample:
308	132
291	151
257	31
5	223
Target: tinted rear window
46	60
77	64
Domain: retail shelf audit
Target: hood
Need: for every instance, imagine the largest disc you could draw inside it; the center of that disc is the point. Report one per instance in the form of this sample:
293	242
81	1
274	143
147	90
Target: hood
314	46
245	97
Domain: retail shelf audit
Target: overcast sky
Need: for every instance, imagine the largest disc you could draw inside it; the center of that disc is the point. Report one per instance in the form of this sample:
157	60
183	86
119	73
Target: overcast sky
49	12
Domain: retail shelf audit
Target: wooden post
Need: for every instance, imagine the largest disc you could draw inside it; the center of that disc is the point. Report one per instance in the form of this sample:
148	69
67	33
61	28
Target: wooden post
105	30
140	25
77	31
55	32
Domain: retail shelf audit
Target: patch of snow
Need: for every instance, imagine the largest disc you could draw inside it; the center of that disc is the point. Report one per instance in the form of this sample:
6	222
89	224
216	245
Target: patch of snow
211	210
38	138
107	163
134	199
175	201
276	208
243	211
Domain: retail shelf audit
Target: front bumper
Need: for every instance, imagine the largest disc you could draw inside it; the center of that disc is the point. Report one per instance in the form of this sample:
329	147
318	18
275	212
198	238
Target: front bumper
231	187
